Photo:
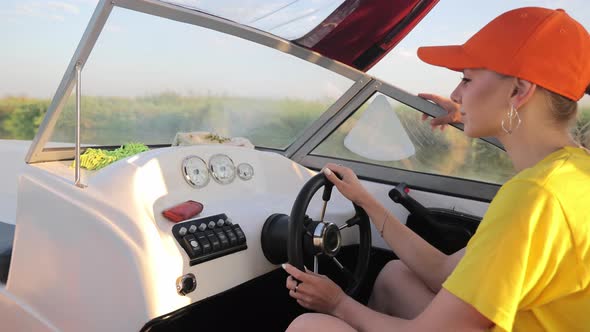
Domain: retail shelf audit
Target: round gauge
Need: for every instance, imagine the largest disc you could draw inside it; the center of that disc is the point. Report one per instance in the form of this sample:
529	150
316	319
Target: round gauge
222	168
194	170
245	171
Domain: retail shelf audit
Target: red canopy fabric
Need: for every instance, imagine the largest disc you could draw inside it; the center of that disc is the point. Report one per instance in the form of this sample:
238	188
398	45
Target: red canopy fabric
370	31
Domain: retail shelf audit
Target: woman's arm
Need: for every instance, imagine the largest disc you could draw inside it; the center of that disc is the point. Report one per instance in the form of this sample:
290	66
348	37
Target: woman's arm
446	312
430	264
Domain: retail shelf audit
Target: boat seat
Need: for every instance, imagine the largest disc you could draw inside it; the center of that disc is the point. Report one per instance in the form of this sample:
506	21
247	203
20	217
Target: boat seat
6	239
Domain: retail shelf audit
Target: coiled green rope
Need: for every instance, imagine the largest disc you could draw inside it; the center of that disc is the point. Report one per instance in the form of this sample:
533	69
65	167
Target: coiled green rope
94	159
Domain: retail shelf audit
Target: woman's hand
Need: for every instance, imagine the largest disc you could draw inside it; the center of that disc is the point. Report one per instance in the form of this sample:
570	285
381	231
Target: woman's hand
453	110
349	186
313	291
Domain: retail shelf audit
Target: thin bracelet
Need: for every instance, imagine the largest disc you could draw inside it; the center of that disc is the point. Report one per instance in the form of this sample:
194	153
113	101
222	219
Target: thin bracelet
383	224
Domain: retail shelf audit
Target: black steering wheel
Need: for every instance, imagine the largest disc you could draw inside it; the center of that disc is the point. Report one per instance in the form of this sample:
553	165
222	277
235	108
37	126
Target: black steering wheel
320	238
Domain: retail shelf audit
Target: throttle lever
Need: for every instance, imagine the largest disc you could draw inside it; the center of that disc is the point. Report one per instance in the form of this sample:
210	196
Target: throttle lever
399	194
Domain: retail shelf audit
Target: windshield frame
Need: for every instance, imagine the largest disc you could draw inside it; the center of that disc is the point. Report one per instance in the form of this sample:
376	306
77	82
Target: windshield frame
38	151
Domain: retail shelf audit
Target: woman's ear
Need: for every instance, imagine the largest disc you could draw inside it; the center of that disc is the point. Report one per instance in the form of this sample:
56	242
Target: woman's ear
522	92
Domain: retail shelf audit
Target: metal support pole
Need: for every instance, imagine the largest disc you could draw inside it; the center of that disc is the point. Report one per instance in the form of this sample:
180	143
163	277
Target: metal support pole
78	107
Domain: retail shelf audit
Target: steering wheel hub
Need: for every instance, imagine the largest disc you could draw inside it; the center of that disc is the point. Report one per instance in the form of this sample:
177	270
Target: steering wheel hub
327	239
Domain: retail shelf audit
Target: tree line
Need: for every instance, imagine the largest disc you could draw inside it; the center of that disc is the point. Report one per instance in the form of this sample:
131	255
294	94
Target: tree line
273	123
157	117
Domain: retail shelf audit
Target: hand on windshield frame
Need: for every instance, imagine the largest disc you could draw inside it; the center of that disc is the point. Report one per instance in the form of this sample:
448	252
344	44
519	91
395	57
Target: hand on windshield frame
313	291
349	184
453	111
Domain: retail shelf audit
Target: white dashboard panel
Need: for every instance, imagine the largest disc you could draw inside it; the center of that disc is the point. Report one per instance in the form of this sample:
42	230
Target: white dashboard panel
109	240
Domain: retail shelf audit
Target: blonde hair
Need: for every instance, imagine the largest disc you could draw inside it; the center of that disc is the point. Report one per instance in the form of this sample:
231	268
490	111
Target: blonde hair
565	111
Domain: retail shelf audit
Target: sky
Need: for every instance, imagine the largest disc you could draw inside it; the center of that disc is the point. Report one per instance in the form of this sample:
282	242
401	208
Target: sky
139	55
452	22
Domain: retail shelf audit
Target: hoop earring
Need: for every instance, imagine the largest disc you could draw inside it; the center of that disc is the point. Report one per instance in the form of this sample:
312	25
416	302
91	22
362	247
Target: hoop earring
513	118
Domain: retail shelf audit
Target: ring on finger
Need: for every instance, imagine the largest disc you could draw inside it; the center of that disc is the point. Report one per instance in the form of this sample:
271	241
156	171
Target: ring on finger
295	289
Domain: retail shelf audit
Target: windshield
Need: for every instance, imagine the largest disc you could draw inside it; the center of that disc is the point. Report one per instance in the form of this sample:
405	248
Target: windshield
290	19
149	78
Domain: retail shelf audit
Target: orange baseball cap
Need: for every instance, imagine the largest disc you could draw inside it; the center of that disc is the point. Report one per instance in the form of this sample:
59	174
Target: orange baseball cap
540	45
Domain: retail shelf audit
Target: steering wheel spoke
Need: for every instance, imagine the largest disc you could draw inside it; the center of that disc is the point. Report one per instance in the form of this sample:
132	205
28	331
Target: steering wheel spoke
316	267
350	277
323	214
354	221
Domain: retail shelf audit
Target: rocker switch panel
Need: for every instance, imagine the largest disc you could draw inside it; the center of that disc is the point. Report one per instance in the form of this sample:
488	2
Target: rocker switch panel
209	238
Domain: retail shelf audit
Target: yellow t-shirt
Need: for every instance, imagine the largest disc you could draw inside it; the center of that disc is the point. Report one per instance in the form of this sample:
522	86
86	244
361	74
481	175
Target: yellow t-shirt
527	268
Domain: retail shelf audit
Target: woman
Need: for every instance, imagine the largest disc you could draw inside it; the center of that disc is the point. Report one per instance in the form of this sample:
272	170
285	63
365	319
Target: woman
527	268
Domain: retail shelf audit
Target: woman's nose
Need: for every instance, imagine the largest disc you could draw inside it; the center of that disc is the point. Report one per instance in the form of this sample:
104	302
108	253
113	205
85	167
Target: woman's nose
456	96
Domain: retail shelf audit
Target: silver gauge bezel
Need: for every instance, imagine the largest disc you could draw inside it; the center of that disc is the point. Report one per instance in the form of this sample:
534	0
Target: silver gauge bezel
242	165
185	171
213	160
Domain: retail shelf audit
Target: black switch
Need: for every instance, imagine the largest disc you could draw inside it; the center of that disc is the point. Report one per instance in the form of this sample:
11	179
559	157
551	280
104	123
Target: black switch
240	234
222	238
204	243
233	239
214	240
192	246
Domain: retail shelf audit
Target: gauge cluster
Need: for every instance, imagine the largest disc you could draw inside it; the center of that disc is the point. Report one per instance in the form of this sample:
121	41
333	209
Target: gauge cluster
245	171
197	172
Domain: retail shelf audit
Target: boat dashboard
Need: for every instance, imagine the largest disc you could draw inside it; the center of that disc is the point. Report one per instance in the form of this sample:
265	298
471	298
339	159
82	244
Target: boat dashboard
111	232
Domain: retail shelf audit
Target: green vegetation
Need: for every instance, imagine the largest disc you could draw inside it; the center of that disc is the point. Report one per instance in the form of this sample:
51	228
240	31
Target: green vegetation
581	130
20	117
271	123
156	119
93	159
447	152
